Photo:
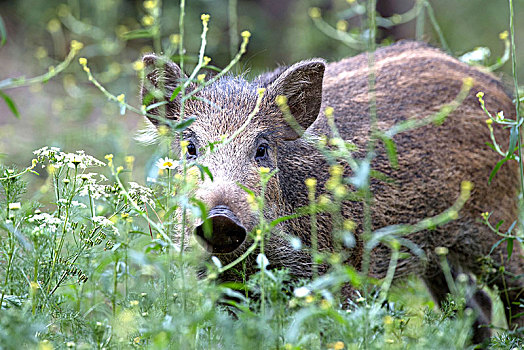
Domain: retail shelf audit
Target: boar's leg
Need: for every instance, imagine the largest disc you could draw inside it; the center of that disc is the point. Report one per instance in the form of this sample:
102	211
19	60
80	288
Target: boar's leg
479	301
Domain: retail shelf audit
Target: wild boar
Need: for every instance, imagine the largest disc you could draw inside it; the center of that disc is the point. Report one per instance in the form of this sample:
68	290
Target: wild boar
413	81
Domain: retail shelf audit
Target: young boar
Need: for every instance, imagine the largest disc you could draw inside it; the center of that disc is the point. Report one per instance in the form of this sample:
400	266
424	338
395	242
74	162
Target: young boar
413	80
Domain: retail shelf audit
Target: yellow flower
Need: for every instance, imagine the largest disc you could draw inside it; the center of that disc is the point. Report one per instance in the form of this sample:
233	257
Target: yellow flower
121	98
311	183
163	130
281	100
388	320
138	65
342	25
148	20
205	17
82	61
53	25
133	302
129	161
338	345
441	251
468	82
489	121
136	340
314	12
245	34
349	225
263	170
174	38
206	60
150	4
310	299
76	45
485	215
41	52
503	35
201	77
466	186
336	170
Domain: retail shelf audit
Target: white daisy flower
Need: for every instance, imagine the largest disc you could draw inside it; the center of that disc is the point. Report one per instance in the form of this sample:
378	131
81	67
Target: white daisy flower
166	163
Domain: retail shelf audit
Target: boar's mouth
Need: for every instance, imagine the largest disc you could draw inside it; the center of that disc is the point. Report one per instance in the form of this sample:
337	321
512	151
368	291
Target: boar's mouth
226	235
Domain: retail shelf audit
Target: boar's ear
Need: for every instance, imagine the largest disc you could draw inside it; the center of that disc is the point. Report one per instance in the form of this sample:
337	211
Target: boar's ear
162	77
301	84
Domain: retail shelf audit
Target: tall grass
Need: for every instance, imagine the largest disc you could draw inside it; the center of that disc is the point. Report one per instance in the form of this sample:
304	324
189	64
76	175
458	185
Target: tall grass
98	266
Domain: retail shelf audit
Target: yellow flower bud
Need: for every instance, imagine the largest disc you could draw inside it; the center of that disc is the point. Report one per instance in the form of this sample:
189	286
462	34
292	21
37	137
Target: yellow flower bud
205	17
138	65
281	100
441	251
342	25
148	20
504	35
314	12
263	170
82	61
466	186
174	38
468	82
311	183
76	45
121	98
53	25
245	34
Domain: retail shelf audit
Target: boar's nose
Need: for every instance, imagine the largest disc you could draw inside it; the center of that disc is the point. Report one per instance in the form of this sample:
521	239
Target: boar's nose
227	233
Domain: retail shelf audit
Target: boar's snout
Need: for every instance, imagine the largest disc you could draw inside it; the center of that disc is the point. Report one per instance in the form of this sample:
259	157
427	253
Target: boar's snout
226	235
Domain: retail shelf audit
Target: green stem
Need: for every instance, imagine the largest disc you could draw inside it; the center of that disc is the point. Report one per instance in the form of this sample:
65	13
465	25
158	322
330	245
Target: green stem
421	20
9	264
517	99
17	82
431	15
233	31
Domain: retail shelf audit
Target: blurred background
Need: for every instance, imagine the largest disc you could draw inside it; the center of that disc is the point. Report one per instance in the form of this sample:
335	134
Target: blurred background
69	112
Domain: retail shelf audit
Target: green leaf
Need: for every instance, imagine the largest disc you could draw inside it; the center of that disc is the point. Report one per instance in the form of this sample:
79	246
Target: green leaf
391	150
509	247
10	104
184	124
136	34
496	168
175	92
204	170
513	138
3	32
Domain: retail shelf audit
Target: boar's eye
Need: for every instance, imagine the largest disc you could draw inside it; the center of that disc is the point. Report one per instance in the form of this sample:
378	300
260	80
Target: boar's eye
191	150
261	152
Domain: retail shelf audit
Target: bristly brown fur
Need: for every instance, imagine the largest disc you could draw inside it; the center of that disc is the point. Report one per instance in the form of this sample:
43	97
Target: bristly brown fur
413	80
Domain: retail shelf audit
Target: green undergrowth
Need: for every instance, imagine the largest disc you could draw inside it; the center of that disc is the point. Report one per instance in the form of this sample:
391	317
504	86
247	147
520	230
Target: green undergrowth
92	256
